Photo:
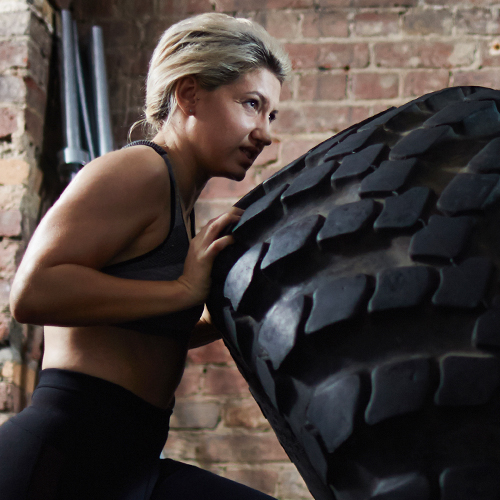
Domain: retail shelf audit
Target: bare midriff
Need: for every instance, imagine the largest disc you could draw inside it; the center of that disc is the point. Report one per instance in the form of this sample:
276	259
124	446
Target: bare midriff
149	366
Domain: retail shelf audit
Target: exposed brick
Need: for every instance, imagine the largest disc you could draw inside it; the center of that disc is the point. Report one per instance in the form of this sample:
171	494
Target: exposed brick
374	85
424	54
4	327
478	22
239	5
13	54
310	119
329	55
417	83
12	88
489	51
185	7
8	122
97	10
220	380
292	486
120	33
9	252
34	126
15	23
38	66
292	149
376	24
10	223
244	413
215	352
10	397
12	373
289	4
260	479
191	381
280	24
195	415
325	24
13	172
182	445
428	22
322	87
287	90
485	78
36	97
367	3
254	448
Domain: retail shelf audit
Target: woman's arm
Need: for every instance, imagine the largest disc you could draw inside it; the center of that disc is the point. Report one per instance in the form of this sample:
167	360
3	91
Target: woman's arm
204	332
110	204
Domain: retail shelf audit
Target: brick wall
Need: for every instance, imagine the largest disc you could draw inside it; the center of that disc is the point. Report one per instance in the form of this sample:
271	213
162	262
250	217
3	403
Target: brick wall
351	58
26	29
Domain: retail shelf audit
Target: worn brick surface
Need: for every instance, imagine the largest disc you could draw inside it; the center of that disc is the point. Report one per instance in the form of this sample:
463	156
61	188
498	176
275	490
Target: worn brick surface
224	380
251	448
374	85
351	59
244	413
195	414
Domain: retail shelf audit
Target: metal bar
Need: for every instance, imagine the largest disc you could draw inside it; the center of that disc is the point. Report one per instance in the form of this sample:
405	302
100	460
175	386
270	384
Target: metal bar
105	137
82	95
72	157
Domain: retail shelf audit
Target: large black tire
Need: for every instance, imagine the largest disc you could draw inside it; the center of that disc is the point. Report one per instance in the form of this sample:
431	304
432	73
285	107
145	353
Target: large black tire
360	302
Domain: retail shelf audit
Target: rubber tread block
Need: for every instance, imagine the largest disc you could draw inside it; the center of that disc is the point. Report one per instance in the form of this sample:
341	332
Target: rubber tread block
312	444
390	177
284	174
336	301
266	379
382	119
316	155
308	180
346	219
411	486
486	332
241	275
466	379
488	159
469	193
230	324
442	98
278	332
479	482
260	209
403	211
350	144
253	196
467	113
292	238
401	287
358	164
484	94
398	387
409	116
421	141
443	237
464	285
332	409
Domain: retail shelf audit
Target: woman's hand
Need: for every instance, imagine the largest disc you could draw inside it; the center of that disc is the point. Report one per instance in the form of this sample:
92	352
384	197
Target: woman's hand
203	249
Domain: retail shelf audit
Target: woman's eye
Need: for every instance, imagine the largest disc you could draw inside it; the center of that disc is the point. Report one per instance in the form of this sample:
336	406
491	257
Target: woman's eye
272	117
253	103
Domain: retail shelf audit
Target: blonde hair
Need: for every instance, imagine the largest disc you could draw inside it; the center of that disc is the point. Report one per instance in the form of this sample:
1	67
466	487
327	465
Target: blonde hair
214	48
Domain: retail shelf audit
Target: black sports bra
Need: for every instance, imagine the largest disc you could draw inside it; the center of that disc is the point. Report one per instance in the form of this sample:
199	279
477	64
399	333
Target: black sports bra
163	263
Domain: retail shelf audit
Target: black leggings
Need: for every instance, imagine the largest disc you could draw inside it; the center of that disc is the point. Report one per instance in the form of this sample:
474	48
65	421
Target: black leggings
84	438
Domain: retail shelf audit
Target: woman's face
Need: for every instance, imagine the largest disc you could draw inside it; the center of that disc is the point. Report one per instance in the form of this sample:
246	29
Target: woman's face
231	124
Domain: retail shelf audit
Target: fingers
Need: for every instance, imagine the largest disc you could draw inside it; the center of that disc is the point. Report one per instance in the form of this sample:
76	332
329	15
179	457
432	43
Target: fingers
214	227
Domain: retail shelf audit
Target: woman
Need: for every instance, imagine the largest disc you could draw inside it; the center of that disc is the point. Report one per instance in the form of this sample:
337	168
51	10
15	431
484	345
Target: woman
118	279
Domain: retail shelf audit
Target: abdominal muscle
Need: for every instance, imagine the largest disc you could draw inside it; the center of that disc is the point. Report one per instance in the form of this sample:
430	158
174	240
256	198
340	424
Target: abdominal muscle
150	366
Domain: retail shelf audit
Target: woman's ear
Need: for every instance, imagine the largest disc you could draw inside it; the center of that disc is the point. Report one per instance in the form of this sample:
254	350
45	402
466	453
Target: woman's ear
185	94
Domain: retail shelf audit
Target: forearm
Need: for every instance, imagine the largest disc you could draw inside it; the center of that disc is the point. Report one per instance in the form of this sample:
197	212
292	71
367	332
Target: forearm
74	295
